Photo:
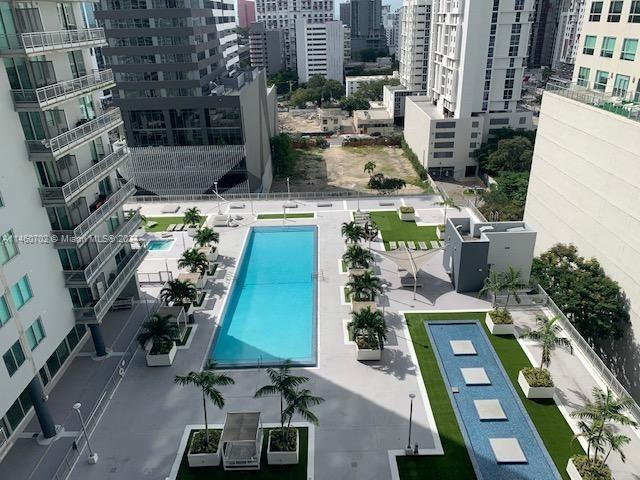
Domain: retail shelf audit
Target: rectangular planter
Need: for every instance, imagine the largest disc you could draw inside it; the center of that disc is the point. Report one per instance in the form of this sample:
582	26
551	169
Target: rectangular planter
357	306
284	458
573	471
357	271
407	217
368	355
500	328
534	392
163	360
439	234
204	459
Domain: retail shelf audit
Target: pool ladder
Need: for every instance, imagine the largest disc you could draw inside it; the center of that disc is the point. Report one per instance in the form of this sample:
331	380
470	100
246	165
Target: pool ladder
318	275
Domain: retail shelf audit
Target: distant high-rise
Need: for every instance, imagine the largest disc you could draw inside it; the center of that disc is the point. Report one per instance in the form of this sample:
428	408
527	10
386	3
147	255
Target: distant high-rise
414	44
392	30
266	48
367	31
345	14
320	49
543	32
567	39
246	13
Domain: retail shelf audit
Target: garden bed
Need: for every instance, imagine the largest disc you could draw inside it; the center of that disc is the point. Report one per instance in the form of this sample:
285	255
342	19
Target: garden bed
163	222
392	229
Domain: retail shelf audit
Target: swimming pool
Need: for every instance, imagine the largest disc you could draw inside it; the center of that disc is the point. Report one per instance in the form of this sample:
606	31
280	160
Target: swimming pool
159	245
477	432
270	313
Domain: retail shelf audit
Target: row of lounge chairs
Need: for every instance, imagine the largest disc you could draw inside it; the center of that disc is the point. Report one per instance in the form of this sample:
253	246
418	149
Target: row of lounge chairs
414	245
176	227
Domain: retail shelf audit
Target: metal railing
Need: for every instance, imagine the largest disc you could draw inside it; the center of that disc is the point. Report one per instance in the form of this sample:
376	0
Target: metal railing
155	278
73	454
61	144
42	42
57	92
70	190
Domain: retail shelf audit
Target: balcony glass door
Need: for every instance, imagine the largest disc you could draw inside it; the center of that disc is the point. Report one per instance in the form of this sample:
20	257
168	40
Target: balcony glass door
621	85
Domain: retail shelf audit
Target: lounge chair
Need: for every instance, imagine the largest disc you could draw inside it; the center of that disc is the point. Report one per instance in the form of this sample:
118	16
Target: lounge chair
412	246
179	227
434	244
151	224
171	227
423	246
402	244
392	245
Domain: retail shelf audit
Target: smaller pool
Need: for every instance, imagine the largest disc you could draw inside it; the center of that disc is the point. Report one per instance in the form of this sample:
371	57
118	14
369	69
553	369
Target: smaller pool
158	245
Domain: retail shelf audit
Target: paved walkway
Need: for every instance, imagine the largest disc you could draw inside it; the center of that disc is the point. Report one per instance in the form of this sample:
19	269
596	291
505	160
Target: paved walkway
574	383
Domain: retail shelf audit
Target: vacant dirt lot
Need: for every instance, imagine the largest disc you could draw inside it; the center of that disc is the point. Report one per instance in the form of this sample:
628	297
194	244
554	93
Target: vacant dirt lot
299	121
337	168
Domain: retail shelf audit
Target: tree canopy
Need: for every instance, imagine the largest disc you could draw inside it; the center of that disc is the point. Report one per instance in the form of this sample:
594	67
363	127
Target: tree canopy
281	81
506	199
318	89
512	154
486	149
283	155
373	90
354	102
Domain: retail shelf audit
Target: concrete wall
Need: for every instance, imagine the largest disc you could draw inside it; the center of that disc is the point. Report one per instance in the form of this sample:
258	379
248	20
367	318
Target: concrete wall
465	260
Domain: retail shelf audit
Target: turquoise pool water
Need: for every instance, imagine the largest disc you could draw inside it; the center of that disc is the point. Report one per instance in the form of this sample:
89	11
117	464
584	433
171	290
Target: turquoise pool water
270	314
159	245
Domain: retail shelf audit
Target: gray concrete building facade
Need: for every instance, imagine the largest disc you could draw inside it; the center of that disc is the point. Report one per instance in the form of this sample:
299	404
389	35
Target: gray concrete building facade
367	31
266	48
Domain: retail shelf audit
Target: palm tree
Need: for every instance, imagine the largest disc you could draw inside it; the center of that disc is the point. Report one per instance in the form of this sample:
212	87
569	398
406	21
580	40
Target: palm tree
206	381
369	168
494	284
194	260
160	330
178	291
192	217
300	401
352	232
370	230
511	282
590	432
364	287
357	257
547	335
448	203
206	236
615	443
368	324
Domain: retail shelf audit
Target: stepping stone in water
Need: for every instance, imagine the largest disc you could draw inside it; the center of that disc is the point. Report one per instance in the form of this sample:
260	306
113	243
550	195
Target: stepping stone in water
462	347
475	376
489	409
507	450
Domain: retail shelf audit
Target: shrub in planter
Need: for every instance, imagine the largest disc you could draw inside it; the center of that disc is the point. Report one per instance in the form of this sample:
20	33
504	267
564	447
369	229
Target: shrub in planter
500	322
368	330
536	382
161	331
407	209
202	453
440	231
357	257
407	213
588	469
501	317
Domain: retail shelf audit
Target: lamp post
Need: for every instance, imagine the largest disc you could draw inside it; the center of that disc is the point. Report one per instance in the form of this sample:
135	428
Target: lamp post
384	287
93	456
411	396
288	190
215	184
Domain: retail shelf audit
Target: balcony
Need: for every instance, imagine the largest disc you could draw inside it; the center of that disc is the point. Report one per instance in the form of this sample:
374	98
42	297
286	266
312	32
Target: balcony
51	95
85	277
80	234
126	269
70	191
56	147
38	43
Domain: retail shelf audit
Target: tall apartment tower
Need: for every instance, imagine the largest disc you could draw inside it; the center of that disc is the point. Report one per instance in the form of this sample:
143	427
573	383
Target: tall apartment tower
345	14
278	15
414	44
392	30
478	52
246	13
583	187
61	198
266	48
367	31
195	121
543	32
565	48
320	49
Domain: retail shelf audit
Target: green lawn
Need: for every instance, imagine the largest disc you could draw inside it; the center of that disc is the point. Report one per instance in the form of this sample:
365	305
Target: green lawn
551	425
274	216
393	229
163	223
266	472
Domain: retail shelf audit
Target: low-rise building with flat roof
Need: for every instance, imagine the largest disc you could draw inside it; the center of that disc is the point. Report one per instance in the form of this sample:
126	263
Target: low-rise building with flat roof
373	122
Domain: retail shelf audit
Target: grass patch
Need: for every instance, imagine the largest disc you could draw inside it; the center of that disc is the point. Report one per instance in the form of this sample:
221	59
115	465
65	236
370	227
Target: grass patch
266	472
274	216
163	223
393	229
545	415
346	296
344	267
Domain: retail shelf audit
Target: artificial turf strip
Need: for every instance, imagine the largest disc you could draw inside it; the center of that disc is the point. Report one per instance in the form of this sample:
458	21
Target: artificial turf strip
393	229
553	429
274	216
163	223
266	472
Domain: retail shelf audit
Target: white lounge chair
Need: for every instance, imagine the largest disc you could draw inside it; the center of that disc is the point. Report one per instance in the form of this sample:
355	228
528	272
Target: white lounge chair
171	227
402	244
392	245
423	246
412	246
434	244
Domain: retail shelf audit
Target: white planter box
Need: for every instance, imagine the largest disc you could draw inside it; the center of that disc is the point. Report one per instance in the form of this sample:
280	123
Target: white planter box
534	392
163	360
201	307
573	471
191	231
368	355
357	271
213	256
357	306
204	459
501	328
439	233
407	217
284	458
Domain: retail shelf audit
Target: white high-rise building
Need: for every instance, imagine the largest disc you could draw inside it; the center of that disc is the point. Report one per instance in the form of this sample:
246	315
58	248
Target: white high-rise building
414	44
570	20
61	199
391	21
278	15
477	56
320	49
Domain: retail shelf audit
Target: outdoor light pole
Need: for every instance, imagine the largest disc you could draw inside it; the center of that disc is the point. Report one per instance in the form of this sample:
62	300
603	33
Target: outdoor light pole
288	190
384	287
215	184
411	396
93	456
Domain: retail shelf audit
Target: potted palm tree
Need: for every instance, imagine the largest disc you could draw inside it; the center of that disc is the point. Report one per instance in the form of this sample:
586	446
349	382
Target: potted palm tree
499	321
192	219
357	259
194	261
362	289
448	203
180	293
597	419
283	446
205	238
537	382
352	232
407	213
368	330
204	447
157	338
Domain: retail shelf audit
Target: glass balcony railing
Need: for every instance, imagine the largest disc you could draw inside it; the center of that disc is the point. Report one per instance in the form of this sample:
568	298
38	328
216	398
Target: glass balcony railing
62	144
71	190
59	92
37	43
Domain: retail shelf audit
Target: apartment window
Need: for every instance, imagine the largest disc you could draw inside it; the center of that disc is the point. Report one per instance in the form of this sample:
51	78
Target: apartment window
443	155
499	121
443	145
446	125
629	47
473	145
35	334
1	202
589	45
5	313
474	135
519	5
522	120
445	134
621	85
19	409
600	82
475	124
596	11
8	248
634	12
608	44
21	292
615	11
583	76
13	358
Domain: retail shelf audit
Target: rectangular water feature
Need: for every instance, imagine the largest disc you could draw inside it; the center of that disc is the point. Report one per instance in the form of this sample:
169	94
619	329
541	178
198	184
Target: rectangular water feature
501	448
270	314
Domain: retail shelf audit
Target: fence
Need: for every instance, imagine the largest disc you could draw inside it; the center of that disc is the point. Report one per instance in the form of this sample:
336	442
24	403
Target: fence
70	459
154	278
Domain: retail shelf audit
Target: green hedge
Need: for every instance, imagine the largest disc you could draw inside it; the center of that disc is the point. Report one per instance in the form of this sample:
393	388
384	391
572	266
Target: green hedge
415	163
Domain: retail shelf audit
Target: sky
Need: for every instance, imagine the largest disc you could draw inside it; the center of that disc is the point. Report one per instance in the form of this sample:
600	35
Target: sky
395	4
